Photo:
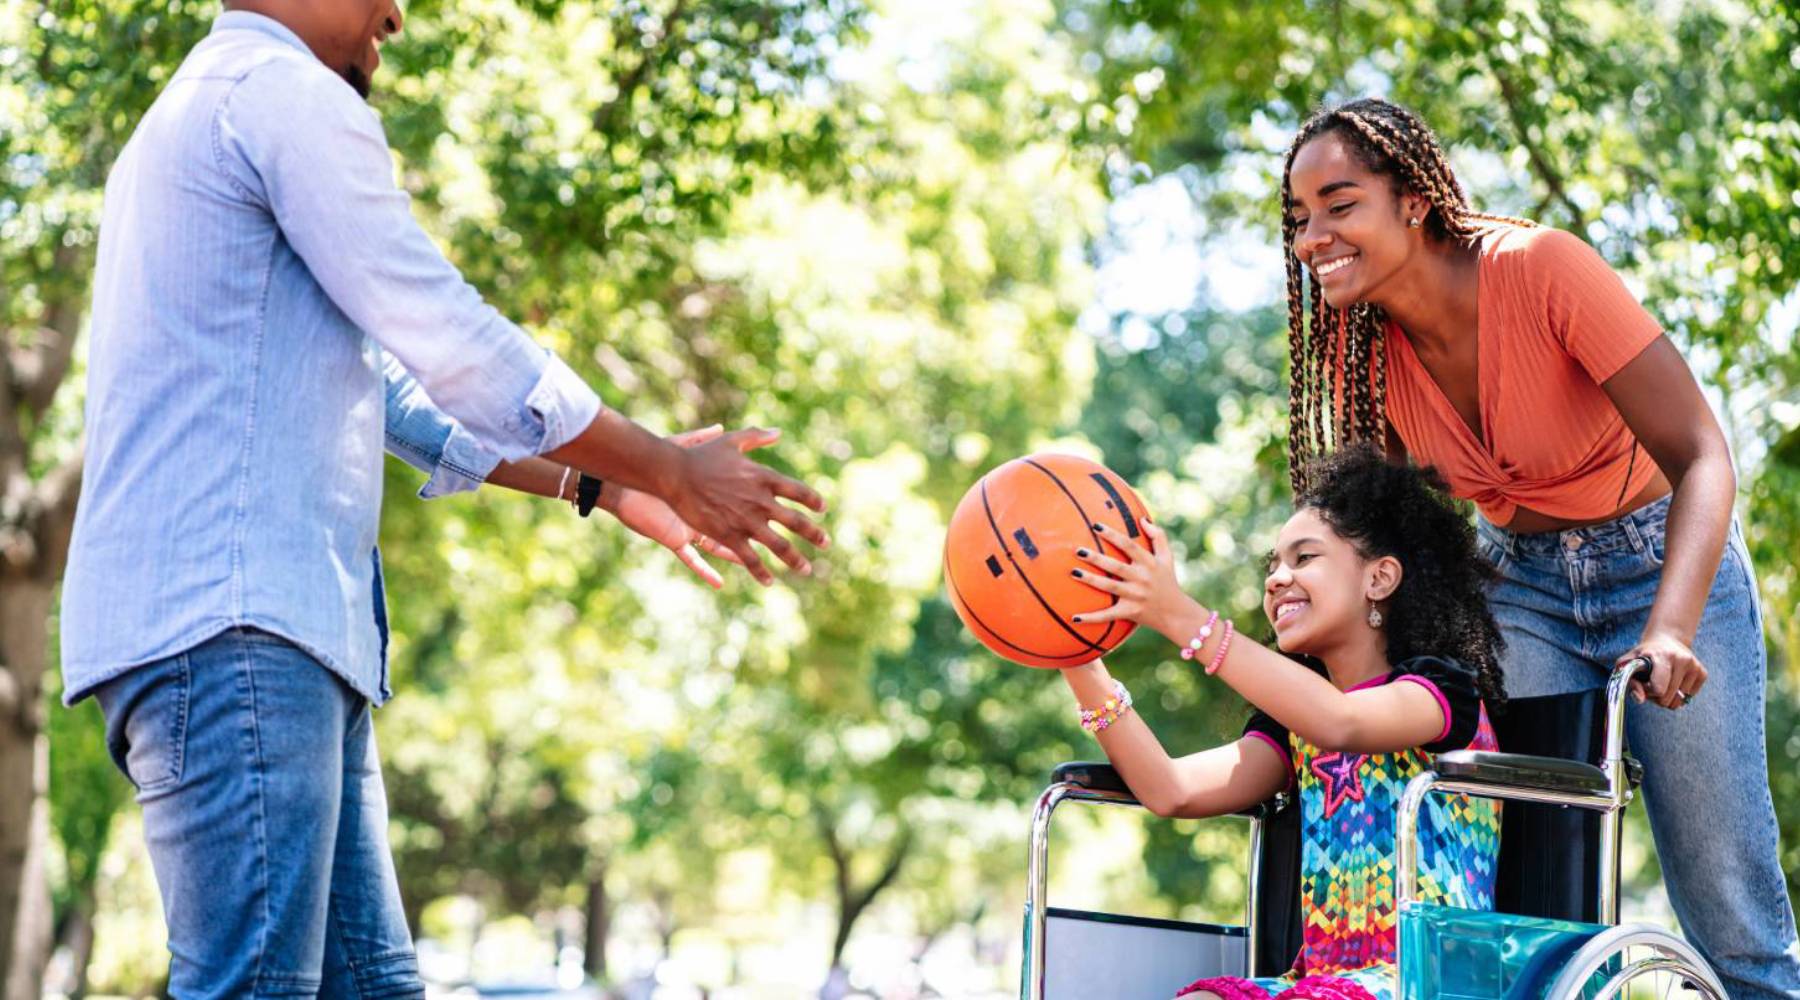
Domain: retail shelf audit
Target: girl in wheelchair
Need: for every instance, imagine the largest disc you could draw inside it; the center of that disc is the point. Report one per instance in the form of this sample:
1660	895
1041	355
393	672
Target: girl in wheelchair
1387	656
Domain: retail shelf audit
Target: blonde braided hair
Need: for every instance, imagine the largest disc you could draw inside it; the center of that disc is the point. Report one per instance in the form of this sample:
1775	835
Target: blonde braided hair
1325	411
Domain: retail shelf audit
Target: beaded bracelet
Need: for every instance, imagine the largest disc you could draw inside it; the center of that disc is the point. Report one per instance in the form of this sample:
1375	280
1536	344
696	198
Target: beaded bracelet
1095	719
1224	644
1192	649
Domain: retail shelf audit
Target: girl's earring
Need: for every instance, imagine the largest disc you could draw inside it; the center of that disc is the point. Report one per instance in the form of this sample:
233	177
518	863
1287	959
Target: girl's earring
1374	616
1413	223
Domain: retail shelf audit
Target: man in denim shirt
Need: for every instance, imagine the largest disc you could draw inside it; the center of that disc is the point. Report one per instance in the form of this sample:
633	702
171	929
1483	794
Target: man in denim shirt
268	319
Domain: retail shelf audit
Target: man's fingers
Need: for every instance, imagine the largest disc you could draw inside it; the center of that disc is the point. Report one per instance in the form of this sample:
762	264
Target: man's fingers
713	548
692	560
752	438
752	563
797	491
782	549
801	525
699	435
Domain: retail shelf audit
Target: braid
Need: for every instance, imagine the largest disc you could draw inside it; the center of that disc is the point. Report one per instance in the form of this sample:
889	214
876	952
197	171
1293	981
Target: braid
1297	448
1321	334
1337	371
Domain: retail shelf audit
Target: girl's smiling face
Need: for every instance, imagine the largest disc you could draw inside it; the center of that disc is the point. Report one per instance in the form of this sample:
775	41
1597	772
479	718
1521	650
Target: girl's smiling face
1319	587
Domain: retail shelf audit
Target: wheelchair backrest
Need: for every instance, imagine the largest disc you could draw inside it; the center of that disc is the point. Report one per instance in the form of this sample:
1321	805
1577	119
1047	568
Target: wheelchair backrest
1550	856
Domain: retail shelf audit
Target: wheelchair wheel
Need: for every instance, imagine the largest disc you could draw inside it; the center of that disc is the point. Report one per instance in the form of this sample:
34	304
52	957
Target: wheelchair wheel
1636	962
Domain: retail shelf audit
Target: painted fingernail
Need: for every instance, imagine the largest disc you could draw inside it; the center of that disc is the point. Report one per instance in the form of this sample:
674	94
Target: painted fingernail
1075	618
1082	553
1099	527
1075	572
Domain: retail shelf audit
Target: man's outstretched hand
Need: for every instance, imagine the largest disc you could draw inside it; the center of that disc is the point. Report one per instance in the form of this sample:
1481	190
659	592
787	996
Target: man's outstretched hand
727	498
650	517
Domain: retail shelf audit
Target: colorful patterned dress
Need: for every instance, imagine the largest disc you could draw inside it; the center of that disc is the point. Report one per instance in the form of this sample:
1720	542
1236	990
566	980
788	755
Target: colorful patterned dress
1348	803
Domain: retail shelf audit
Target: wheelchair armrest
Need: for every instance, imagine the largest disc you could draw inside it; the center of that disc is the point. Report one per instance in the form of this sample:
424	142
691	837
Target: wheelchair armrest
1556	774
1091	775
1105	778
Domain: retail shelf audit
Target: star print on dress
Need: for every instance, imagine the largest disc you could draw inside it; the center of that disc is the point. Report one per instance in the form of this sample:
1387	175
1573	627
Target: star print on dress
1342	774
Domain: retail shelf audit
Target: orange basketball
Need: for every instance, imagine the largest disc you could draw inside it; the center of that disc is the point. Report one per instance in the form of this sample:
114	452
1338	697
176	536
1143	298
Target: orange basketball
1011	548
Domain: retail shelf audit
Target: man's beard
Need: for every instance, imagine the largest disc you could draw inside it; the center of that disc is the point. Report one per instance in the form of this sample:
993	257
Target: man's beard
357	79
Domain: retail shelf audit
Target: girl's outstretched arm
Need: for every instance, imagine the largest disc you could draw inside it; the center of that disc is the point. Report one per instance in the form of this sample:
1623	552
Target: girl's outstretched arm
1212	782
1379	719
1374	720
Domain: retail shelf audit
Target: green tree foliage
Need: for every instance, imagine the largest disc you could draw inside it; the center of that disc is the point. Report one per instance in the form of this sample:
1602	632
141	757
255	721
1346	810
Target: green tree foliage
894	281
876	225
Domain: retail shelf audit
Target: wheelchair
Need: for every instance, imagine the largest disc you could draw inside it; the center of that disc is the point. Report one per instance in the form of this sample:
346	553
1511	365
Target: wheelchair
1441	952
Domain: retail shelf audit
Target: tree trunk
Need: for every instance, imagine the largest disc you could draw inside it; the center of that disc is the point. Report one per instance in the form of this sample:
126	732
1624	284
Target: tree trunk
25	917
597	928
36	516
852	899
77	936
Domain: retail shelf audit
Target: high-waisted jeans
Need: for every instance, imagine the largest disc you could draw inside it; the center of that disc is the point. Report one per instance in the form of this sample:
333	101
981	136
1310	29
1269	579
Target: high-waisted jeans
1569	603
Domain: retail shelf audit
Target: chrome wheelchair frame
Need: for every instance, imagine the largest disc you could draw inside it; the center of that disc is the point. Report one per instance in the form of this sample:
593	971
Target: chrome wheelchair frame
1603	960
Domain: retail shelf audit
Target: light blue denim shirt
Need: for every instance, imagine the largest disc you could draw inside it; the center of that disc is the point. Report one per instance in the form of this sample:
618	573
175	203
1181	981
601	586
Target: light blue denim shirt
268	318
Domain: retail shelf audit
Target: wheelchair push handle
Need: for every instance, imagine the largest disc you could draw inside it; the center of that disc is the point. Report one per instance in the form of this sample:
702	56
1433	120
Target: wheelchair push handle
1618	686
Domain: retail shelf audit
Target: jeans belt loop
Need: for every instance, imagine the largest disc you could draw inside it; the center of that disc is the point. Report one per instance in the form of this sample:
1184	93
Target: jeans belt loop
1636	537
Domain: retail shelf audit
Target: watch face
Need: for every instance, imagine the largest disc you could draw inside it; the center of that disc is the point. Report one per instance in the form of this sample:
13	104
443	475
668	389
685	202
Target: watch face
587	493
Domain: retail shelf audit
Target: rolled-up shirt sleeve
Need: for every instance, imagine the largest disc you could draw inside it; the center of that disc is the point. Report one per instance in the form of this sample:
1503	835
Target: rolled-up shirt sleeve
426	438
297	139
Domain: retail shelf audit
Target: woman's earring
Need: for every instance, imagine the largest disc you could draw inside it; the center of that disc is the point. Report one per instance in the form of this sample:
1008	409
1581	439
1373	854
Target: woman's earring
1413	223
1374	616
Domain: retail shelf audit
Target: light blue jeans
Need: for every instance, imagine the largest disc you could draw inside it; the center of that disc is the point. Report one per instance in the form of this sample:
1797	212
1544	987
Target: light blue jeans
1571	602
266	820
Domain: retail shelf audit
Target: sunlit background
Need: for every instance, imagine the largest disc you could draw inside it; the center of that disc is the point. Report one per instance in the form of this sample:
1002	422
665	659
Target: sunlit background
921	237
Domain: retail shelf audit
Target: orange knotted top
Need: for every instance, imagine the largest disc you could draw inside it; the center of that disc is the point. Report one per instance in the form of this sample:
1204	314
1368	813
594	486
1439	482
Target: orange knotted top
1555	322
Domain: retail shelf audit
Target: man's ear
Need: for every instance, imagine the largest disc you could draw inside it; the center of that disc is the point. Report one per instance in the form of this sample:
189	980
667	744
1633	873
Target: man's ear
1383	578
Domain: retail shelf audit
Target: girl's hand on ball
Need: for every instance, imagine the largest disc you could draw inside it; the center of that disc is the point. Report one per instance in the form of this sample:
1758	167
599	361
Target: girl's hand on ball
1144	581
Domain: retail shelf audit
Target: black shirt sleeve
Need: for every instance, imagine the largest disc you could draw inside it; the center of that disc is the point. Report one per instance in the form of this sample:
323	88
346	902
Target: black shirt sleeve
1454	685
1263	724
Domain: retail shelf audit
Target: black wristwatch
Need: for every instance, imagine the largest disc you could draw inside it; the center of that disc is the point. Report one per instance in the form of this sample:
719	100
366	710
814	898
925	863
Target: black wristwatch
587	494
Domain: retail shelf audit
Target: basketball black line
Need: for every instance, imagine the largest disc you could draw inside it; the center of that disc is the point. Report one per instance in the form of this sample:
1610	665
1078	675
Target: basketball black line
1026	577
950	580
1088	524
1131	528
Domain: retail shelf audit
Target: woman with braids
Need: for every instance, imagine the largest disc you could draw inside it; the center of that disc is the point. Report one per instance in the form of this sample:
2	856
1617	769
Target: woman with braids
1377	598
1511	358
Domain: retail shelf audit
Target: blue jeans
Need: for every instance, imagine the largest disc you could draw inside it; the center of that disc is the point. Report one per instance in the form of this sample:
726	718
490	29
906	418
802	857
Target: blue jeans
266	820
1571	602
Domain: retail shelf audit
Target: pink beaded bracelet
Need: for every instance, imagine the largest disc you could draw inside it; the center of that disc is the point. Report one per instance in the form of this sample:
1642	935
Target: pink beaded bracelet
1192	649
1095	719
1224	644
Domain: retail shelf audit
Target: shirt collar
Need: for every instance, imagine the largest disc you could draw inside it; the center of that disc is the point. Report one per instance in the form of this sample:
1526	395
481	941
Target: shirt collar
246	20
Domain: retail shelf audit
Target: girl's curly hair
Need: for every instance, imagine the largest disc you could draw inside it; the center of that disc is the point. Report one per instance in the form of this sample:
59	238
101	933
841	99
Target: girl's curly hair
1384	508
